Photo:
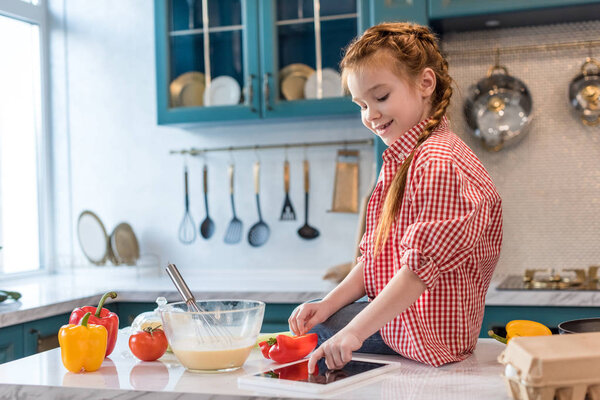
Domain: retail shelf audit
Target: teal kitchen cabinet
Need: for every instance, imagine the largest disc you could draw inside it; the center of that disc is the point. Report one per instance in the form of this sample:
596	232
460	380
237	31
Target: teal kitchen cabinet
129	310
194	52
439	9
197	43
470	15
42	334
11	343
499	316
298	42
275	319
213	49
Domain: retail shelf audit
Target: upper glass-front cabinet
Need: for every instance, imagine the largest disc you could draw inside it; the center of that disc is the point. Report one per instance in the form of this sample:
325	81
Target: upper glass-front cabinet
304	42
207	61
208	53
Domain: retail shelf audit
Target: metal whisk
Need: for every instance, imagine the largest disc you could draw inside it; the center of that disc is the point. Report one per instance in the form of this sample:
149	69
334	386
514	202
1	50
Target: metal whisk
207	327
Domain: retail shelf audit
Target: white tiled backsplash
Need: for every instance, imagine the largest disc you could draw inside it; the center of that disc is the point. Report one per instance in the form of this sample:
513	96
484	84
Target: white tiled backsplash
550	181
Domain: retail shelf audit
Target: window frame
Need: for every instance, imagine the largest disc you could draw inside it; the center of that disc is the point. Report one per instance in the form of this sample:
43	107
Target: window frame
37	14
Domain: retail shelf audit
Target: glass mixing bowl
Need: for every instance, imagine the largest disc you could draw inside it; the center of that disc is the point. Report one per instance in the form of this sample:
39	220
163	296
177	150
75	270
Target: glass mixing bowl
217	339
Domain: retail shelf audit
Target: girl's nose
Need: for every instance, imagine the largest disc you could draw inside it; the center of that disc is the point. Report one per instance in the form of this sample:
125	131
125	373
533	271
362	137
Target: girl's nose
372	114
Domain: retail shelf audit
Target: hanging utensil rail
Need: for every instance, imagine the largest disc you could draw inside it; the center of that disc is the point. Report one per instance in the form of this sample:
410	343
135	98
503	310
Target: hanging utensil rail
519	49
194	152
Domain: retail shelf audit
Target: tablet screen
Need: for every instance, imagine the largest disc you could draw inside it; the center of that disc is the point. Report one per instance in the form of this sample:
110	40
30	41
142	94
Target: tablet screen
299	372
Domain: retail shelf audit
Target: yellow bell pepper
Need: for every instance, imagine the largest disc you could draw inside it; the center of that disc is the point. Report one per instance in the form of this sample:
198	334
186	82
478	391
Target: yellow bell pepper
521	327
82	346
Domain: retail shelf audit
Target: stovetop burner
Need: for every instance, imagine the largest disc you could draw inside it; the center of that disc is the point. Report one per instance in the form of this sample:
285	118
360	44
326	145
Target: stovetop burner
549	279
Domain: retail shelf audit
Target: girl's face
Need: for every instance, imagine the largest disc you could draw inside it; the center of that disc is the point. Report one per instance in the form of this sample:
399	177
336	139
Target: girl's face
389	104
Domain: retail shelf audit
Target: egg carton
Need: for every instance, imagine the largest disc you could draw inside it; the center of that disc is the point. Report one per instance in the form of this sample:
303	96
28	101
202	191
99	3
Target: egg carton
563	367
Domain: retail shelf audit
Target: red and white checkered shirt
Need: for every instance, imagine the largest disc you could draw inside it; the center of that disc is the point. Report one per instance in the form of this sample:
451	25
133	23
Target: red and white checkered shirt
449	232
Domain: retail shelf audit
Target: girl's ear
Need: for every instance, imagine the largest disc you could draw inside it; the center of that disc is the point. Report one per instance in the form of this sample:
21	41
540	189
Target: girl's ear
427	82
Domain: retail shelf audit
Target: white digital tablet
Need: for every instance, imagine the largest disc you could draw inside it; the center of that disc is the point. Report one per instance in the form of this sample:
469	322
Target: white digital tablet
295	377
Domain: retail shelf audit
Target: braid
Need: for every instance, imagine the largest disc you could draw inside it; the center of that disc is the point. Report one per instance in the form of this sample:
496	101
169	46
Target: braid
414	47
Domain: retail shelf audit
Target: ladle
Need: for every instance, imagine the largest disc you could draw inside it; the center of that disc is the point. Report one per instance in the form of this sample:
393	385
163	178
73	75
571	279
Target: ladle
259	232
306	231
234	230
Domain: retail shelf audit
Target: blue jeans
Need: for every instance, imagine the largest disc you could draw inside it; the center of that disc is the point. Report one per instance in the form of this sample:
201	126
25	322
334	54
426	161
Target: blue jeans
374	344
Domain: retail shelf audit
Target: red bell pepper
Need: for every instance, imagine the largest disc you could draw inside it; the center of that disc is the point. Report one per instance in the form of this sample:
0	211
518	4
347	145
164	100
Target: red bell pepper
100	316
296	372
284	349
266	346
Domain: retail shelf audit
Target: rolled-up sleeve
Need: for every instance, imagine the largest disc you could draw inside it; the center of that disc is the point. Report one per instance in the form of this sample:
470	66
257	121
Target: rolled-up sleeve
448	216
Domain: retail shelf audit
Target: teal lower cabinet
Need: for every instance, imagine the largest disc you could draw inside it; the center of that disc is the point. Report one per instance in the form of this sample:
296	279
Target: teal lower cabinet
498	316
11	343
275	320
42	334
276	317
128	311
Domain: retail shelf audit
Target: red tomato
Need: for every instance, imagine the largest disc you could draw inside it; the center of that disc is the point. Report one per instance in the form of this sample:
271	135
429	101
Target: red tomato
149	344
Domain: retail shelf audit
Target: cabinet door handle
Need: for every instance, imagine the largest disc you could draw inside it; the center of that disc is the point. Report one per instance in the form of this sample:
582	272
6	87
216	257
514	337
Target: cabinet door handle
250	93
44	343
267	90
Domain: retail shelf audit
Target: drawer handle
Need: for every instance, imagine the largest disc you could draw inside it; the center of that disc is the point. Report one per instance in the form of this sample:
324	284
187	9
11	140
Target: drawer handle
45	342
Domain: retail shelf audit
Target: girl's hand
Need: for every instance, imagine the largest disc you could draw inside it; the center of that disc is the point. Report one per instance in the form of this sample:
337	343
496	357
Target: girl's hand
307	315
337	350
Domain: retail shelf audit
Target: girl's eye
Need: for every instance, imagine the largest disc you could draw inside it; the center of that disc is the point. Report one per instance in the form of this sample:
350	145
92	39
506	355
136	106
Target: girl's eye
384	98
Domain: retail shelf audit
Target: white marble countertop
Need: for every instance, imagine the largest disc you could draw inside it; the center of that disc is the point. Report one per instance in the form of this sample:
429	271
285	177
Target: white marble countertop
48	295
123	376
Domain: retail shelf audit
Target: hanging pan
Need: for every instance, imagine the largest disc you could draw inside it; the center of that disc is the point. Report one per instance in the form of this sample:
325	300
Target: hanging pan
498	109
584	92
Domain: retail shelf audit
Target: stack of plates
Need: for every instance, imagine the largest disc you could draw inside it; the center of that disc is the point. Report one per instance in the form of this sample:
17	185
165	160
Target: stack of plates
299	81
293	78
223	91
189	90
332	84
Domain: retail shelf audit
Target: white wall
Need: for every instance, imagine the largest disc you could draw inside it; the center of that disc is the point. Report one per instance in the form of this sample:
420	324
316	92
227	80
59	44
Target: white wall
112	158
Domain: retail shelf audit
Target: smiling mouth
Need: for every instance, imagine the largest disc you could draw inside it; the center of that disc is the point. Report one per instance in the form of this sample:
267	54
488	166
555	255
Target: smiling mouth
384	126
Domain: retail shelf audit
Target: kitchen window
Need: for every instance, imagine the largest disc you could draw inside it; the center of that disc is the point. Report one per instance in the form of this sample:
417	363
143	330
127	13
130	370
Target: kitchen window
24	172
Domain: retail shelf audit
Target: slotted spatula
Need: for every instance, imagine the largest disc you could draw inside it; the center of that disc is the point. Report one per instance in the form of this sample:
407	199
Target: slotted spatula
287	213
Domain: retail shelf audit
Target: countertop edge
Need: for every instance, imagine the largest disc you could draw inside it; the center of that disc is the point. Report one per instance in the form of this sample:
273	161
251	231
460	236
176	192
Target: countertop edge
19	316
23	392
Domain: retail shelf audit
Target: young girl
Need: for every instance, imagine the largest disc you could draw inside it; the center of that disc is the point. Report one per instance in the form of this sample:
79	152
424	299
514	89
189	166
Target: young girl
434	221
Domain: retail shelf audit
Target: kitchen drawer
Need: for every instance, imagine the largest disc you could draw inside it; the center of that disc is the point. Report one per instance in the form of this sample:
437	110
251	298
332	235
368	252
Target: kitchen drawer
42	335
11	343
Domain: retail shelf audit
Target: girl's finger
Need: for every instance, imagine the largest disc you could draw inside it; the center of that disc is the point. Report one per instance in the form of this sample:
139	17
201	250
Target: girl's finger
346	355
312	321
301	318
316	356
335	356
292	322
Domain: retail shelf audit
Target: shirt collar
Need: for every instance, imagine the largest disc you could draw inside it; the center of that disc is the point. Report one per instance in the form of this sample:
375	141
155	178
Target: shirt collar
402	147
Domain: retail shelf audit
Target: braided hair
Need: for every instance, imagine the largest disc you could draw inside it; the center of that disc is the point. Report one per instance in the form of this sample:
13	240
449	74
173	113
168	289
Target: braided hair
413	47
